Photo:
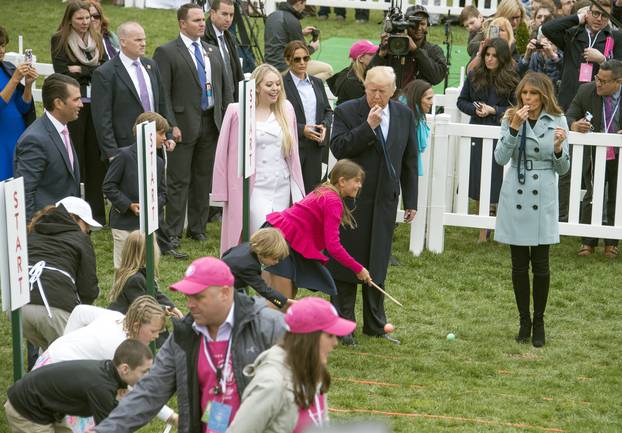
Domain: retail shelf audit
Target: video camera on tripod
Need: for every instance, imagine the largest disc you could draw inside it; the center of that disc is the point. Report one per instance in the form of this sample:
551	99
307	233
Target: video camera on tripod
396	24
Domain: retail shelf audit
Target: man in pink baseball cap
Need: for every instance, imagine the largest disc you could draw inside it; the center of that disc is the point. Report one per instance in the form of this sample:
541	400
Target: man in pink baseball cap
202	360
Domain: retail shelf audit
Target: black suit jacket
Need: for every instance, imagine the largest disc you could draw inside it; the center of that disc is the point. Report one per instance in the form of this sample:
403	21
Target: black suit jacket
323	110
586	100
120	186
183	88
116	103
376	205
42	159
234	57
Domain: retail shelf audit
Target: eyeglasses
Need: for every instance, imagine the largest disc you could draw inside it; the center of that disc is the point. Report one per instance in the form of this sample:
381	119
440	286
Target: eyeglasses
301	59
95	16
601	81
597	14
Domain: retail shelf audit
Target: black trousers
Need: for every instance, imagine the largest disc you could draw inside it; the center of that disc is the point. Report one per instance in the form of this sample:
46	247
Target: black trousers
92	168
189	176
359	14
374	317
311	165
611	180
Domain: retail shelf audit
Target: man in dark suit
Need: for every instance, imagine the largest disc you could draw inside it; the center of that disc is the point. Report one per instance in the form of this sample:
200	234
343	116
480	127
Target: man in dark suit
592	98
313	132
380	135
124	87
192	75
44	155
217	33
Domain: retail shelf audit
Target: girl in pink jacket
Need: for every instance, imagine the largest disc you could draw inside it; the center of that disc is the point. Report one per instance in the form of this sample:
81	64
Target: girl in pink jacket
311	227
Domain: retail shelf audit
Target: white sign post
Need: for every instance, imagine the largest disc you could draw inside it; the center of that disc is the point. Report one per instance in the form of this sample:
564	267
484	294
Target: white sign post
147	176
246	135
14	262
246	147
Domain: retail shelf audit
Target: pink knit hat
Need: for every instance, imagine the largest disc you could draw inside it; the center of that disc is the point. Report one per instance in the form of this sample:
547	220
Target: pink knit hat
203	273
314	314
362	47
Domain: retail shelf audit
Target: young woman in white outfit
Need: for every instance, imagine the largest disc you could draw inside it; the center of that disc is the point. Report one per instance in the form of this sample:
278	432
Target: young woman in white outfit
274	189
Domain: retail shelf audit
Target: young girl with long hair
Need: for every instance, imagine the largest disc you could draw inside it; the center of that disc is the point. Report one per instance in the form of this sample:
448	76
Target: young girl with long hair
131	280
277	182
533	138
486	94
287	393
77	49
312	226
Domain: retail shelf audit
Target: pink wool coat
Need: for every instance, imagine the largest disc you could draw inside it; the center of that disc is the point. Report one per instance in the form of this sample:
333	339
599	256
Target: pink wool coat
227	185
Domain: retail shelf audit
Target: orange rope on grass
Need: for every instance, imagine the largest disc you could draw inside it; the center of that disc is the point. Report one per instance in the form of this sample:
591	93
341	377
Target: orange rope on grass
446	418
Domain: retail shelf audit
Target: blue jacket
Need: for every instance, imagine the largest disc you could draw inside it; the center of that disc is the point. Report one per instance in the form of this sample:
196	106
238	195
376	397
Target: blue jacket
528	213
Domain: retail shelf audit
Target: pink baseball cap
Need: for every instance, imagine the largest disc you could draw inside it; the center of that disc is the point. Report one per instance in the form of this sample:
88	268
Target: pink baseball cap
362	47
203	273
314	314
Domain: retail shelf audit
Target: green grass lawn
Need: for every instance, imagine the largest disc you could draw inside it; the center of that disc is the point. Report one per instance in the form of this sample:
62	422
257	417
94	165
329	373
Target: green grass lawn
481	382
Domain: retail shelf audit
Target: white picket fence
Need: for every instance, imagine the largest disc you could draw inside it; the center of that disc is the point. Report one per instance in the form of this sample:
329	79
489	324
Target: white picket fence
451	137
441	7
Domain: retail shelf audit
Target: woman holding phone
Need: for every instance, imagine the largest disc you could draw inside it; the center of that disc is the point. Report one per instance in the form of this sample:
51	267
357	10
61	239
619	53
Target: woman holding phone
533	138
313	111
486	94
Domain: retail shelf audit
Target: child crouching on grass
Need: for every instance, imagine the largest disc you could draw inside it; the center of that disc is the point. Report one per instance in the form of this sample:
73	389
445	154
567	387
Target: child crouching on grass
267	247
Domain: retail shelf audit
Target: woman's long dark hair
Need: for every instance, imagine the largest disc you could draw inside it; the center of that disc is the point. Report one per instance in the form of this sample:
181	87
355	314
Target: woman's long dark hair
303	357
414	92
64	30
504	79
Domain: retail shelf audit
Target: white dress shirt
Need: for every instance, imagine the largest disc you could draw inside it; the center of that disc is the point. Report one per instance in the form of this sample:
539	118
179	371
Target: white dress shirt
224	330
208	67
223	50
384	122
131	69
57	125
307	96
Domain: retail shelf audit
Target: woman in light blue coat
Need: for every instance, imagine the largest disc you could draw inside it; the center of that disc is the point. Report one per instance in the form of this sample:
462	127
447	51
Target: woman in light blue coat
533	138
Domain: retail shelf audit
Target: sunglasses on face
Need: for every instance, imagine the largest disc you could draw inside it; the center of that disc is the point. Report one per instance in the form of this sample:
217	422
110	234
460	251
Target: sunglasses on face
95	16
301	59
597	14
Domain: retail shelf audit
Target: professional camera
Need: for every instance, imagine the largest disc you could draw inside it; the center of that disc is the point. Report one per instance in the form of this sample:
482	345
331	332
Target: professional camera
396	25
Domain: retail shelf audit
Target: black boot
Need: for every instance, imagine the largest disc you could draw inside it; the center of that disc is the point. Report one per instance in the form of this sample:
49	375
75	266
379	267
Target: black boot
540	295
520	282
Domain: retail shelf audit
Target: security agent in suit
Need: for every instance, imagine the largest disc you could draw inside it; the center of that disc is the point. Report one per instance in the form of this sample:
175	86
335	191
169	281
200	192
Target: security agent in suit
600	98
380	135
217	33
192	75
122	89
44	155
313	112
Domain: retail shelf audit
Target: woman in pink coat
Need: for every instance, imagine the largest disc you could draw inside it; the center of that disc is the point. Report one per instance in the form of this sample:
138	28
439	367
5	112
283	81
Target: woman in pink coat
277	182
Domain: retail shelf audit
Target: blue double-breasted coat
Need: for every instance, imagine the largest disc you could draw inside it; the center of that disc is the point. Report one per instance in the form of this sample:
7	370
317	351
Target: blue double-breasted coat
528	213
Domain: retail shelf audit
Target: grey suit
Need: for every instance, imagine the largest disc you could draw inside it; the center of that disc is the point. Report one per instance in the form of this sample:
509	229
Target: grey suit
116	104
42	159
191	164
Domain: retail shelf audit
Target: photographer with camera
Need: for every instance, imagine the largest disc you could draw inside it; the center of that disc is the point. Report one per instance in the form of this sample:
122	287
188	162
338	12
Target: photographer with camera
543	56
283	26
404	47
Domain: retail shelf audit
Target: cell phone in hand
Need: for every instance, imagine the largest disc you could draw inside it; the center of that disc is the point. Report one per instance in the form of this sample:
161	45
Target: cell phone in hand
28	56
494	32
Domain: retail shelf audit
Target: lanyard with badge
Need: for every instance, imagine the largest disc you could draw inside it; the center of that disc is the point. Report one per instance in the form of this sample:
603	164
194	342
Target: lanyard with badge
316	418
217	414
586	68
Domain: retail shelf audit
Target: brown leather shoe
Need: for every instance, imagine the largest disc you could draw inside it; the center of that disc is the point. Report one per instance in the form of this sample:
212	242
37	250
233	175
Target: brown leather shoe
586	250
611	251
